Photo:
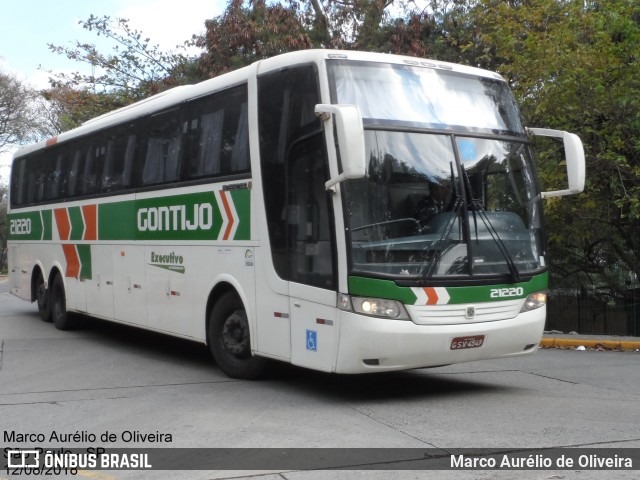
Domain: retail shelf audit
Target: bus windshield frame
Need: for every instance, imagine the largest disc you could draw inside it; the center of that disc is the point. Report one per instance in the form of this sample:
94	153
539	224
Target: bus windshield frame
409	96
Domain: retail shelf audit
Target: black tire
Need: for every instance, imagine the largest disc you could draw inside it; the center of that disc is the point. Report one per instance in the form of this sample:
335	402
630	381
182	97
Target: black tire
229	339
62	319
42	299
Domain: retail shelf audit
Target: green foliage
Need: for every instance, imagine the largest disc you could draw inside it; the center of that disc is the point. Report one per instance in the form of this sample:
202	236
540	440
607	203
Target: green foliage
19	120
133	70
573	66
250	30
246	33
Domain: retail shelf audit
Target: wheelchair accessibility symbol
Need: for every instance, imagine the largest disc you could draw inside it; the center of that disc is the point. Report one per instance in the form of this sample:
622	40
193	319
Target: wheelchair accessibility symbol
312	340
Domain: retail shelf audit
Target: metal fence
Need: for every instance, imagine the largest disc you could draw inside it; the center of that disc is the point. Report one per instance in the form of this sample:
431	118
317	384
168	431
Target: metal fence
587	314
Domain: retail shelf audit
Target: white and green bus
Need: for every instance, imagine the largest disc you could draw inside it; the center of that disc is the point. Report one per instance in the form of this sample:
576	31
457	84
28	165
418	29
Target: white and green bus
343	211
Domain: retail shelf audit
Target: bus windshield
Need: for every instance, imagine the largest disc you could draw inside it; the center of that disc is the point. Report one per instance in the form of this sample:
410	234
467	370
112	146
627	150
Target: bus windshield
450	190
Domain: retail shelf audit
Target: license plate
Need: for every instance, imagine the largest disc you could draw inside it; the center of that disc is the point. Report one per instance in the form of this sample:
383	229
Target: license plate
460	343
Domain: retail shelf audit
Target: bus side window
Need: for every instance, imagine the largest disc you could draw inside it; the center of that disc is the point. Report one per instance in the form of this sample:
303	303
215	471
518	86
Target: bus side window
240	150
162	159
118	162
55	180
18	182
218	134
73	178
206	144
129	160
94	166
31	179
43	170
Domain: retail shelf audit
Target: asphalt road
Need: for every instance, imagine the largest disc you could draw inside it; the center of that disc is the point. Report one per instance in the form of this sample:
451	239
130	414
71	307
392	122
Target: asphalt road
131	384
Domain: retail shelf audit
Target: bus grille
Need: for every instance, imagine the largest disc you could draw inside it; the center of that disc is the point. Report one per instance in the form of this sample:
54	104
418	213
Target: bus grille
464	313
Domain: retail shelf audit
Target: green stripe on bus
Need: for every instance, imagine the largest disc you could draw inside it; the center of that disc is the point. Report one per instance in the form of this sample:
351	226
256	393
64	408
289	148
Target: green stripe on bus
26	226
84	253
371	287
77	223
242	202
491	293
47	226
195	216
116	221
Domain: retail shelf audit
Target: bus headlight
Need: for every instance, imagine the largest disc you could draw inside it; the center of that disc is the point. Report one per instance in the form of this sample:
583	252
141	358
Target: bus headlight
533	301
373	307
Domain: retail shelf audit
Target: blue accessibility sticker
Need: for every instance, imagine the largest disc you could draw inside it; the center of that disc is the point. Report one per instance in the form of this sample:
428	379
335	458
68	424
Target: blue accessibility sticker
312	340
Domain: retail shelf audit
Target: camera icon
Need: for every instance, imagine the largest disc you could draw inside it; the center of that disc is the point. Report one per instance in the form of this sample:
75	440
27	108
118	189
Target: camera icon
23	458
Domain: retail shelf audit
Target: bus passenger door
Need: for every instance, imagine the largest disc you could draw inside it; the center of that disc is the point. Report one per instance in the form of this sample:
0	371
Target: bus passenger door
293	165
312	287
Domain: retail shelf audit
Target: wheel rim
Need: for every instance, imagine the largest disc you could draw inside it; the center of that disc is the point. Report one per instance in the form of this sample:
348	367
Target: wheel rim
235	335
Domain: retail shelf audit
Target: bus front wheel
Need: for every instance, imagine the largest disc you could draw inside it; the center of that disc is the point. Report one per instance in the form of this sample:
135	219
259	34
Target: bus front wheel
229	339
62	319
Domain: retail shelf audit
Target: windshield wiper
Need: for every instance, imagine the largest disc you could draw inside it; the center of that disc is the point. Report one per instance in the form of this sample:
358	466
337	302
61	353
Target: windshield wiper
477	208
445	234
447	227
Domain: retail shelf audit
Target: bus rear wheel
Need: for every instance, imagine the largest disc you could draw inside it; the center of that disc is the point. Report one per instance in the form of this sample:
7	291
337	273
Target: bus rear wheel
42	299
229	339
62	319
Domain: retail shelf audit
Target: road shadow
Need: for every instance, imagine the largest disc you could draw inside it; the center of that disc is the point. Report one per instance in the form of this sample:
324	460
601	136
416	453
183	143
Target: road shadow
372	387
146	342
376	387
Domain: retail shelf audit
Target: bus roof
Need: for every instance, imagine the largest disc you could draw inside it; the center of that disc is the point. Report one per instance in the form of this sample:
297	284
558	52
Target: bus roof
180	94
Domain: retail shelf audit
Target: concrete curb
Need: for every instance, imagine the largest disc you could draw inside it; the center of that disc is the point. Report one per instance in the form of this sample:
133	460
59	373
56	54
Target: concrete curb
553	342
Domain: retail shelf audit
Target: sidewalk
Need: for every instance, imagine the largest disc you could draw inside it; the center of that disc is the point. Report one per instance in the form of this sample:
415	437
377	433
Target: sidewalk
598	342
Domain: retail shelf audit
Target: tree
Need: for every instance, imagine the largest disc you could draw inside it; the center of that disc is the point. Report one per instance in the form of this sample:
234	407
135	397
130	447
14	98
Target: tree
573	66
246	33
18	116
66	107
251	30
133	70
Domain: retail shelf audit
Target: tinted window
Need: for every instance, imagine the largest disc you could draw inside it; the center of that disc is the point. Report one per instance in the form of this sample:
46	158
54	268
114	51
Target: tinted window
95	153
120	156
74	174
218	134
163	148
56	185
203	138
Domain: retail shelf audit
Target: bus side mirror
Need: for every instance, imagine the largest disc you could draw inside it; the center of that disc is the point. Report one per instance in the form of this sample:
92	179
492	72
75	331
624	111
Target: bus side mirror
348	125
574	154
